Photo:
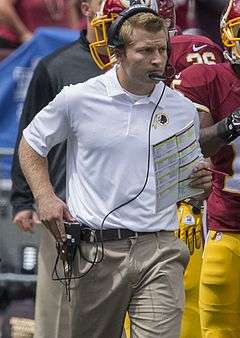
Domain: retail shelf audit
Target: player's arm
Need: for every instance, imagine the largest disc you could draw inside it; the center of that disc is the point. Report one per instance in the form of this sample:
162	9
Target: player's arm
209	139
195	83
214	136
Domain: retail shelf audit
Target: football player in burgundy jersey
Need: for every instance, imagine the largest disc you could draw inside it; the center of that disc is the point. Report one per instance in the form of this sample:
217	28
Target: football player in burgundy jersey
185	51
215	90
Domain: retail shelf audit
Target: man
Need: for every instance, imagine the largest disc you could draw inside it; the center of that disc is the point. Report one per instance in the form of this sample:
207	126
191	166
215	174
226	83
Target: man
69	65
215	91
72	64
107	123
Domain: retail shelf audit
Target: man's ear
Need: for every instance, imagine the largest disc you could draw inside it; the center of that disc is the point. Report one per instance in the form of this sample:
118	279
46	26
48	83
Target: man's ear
119	53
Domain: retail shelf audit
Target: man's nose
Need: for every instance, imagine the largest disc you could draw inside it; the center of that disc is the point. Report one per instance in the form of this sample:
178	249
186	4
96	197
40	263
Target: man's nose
158	57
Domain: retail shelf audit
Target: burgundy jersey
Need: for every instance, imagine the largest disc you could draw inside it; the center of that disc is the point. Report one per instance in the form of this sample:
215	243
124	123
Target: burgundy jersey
190	49
216	88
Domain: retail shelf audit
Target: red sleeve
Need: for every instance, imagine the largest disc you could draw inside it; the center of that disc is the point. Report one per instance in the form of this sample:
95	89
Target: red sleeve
195	82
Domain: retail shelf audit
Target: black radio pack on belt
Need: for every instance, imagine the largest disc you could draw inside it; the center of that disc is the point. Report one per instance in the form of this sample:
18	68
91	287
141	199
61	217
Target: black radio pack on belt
73	232
76	233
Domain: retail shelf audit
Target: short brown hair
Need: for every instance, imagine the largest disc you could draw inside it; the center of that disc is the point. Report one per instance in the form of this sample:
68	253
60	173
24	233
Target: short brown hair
148	21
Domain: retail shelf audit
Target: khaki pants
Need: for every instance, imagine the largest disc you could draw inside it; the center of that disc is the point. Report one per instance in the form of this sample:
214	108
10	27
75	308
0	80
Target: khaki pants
52	318
52	308
143	276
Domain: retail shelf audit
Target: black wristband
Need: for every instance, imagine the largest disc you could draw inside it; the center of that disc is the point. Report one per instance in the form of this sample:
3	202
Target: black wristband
226	131
223	131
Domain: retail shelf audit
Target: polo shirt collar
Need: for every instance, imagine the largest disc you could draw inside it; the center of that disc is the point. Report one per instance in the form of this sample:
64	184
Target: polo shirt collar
114	88
112	84
157	92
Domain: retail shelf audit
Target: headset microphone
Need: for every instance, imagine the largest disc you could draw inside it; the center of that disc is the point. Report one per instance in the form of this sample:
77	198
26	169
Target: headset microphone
157	78
169	74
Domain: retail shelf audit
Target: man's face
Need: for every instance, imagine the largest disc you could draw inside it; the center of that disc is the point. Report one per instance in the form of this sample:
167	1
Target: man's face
146	55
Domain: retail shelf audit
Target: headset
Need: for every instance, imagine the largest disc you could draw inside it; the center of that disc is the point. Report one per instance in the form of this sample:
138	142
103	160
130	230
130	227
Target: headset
114	40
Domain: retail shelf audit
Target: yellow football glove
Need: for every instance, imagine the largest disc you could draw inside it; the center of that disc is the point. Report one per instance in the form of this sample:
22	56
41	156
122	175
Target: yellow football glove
190	224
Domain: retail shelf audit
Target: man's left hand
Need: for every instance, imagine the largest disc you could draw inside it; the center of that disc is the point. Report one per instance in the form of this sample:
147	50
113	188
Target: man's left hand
201	178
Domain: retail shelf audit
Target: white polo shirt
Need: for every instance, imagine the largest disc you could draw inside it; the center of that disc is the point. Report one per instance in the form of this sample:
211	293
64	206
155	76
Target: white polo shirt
107	151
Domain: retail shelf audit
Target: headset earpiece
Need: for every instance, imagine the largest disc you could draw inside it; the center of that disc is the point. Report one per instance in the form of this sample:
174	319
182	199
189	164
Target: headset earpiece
169	47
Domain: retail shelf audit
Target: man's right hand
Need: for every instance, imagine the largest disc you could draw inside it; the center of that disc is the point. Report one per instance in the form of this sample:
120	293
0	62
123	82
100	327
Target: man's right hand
53	212
25	220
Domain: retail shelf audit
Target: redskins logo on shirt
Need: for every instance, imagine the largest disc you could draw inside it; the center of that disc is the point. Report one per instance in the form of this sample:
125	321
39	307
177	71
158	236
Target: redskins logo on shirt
160	119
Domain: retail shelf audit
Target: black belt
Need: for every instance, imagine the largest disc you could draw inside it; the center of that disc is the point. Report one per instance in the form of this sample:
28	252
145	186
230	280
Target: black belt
90	235
77	232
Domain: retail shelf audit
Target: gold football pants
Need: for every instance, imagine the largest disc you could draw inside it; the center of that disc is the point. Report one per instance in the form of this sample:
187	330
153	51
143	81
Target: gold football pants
220	286
127	327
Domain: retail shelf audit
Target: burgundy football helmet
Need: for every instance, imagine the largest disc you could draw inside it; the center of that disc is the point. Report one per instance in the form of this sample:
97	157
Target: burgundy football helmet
100	51
230	31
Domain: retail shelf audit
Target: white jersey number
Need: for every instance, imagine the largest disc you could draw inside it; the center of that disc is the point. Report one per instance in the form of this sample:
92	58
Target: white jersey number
207	58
